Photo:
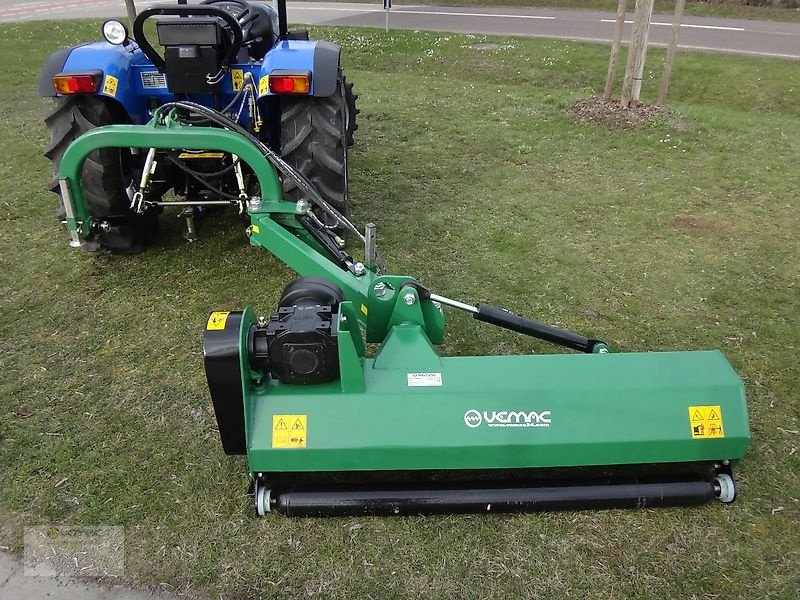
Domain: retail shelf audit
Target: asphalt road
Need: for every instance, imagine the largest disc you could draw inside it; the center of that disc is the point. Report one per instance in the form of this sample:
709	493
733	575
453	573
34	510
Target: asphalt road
760	38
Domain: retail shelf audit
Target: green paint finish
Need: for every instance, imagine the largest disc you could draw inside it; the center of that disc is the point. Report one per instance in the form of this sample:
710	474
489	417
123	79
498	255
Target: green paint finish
609	409
299	255
406	309
387	307
566	410
407	345
171	137
351	350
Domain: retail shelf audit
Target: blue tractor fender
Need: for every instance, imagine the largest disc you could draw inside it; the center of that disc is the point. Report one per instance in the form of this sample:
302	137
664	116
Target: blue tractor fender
321	59
130	79
119	66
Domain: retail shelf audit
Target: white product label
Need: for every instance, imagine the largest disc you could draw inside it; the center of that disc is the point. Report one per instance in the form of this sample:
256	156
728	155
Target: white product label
153	80
424	380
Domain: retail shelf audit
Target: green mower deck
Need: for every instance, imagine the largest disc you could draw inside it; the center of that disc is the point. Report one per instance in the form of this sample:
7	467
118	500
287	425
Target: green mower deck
497	412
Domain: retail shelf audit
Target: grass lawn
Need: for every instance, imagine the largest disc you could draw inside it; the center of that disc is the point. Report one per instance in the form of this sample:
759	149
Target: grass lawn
670	237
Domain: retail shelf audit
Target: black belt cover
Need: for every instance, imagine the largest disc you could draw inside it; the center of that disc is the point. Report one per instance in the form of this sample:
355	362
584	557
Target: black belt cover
221	348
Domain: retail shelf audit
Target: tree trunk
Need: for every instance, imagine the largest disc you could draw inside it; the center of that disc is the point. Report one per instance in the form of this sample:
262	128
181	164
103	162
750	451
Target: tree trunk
612	61
673	44
637	50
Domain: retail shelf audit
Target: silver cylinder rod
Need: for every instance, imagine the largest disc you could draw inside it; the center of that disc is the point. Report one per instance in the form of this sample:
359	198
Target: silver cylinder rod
454	303
370	250
69	212
195	203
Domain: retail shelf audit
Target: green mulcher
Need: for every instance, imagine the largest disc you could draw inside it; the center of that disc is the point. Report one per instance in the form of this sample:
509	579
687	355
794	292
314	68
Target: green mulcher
329	430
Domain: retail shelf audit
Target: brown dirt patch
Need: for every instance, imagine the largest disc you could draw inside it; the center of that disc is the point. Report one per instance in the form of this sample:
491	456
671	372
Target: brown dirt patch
485	46
609	113
695	224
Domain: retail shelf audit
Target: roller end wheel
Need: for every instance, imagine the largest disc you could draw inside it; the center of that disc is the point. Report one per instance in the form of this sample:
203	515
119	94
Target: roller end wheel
724	488
263	499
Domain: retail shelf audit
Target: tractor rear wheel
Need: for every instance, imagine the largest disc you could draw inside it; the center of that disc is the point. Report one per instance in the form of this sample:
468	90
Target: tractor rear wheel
314	140
107	173
350	98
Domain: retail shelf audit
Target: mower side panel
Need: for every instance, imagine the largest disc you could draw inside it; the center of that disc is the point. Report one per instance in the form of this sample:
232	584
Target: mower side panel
507	412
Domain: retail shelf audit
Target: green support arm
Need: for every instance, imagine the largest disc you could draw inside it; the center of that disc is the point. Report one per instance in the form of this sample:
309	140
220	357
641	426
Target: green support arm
163	138
274	224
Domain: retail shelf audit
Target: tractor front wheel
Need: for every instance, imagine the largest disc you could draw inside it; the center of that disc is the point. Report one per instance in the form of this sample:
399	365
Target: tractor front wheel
107	175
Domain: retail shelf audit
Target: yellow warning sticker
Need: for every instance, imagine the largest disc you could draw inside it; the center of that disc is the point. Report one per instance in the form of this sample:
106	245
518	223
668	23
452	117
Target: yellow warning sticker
217	320
189	155
110	85
364	308
263	85
237	79
289	431
706	422
255	229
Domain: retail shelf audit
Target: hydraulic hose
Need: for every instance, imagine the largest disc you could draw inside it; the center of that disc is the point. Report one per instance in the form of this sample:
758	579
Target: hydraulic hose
273	157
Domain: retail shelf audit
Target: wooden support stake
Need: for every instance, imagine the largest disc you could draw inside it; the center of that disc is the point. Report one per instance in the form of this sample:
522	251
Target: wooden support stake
615	44
673	45
637	50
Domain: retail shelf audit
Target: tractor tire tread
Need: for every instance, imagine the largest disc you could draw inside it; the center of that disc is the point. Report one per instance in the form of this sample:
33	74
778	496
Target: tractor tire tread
102	178
314	142
350	99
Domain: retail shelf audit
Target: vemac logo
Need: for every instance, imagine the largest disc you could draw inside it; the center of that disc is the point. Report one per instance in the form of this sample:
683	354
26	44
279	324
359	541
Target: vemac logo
505	418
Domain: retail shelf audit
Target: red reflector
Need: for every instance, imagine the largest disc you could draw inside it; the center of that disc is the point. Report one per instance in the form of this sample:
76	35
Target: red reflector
75	84
289	84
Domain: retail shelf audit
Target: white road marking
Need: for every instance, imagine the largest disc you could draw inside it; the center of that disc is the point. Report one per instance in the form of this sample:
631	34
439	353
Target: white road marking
420	12
572	38
20	9
732	51
682	25
781	33
690	25
460	14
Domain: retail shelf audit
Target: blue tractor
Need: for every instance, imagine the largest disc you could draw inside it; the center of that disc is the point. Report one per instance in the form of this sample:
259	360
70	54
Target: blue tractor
236	57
